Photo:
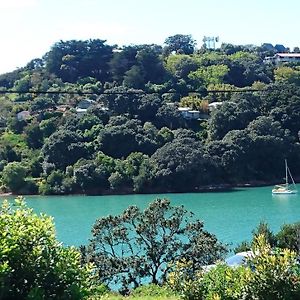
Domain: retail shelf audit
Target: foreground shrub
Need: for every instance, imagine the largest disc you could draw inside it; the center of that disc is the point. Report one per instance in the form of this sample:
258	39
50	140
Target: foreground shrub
145	292
152	290
275	273
221	282
268	275
33	264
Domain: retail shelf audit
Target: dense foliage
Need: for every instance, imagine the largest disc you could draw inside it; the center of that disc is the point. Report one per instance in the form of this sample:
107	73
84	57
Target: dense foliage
137	246
127	134
267	274
288	237
161	244
33	264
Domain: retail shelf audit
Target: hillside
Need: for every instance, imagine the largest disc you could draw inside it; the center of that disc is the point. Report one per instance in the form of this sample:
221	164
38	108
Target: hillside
93	118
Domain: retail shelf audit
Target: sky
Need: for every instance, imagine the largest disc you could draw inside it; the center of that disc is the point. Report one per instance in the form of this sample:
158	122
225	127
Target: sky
28	28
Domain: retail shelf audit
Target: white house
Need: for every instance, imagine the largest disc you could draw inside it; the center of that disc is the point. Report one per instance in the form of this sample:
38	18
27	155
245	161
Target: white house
188	113
283	57
83	105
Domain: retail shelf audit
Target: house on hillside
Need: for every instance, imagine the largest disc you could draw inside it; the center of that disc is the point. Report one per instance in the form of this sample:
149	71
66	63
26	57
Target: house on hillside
190	114
184	111
283	57
83	105
23	115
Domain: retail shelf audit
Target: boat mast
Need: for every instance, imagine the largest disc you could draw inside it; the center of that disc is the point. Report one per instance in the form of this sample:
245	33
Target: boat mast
289	172
286	173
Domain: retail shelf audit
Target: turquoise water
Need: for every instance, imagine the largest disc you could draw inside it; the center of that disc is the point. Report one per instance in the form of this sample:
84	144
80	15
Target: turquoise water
230	215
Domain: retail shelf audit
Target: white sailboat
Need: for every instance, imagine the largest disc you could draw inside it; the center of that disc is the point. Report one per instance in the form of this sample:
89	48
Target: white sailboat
285	188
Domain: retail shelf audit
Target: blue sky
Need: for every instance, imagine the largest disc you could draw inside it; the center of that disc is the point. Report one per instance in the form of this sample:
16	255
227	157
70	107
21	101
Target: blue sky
30	27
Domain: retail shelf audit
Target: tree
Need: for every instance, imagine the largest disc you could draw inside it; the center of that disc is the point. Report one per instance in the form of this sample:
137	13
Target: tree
229	48
148	58
234	115
6	108
64	148
181	165
122	61
180	65
70	60
168	116
296	50
246	68
209	75
90	176
289	237
134	77
41	104
287	74
13	176
15	125
263	229
33	264
147	107
34	135
121	100
254	153
48	126
130	62
118	135
141	246
282	103
180	43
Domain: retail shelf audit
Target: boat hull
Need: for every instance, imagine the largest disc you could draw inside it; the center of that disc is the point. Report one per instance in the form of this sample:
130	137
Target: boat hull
283	192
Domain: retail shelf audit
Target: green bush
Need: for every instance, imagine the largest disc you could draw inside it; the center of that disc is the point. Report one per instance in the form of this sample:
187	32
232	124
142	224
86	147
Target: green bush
13	176
221	282
269	275
275	273
33	264
224	282
146	292
152	290
288	237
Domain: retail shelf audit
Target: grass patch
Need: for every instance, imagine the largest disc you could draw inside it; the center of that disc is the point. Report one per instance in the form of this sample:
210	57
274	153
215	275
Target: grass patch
146	292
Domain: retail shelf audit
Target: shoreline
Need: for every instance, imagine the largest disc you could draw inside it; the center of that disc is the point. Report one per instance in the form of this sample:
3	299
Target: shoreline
200	189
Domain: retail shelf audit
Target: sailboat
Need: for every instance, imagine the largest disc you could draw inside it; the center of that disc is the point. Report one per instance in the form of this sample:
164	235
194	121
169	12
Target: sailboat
285	188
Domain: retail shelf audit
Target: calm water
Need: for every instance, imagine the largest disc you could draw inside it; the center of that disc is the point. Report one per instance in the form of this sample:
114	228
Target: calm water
230	215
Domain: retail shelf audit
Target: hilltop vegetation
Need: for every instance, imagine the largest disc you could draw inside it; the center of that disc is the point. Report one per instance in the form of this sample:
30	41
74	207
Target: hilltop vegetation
116	128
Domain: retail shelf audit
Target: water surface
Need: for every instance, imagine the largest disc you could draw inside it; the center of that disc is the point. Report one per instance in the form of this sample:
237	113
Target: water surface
230	215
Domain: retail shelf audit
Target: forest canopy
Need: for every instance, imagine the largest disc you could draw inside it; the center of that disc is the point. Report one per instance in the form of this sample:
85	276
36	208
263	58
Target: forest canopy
89	117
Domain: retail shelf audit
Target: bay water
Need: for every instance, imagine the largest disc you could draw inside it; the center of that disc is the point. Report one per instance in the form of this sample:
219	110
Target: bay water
230	215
